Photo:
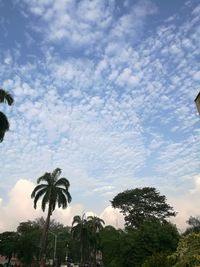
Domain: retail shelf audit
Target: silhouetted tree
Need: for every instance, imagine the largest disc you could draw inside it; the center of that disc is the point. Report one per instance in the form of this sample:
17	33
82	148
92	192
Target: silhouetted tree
140	204
5	97
52	191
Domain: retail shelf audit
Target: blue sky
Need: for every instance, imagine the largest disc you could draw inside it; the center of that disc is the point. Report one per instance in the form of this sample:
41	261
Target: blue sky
104	90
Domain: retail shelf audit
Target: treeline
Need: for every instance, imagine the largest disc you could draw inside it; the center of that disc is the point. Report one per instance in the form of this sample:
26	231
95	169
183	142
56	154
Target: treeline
152	244
148	239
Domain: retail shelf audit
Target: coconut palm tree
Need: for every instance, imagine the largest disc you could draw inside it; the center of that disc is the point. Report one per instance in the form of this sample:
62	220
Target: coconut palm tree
5	97
53	191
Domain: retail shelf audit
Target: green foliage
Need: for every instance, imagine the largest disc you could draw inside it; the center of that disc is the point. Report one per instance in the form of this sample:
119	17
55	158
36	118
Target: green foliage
194	225
141	204
62	244
29	237
158	260
111	246
5	97
135	246
154	237
80	233
25	242
188	251
8	244
85	231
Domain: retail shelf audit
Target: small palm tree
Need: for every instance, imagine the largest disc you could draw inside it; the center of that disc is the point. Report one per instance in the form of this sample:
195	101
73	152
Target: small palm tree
5	97
86	231
53	192
96	225
80	232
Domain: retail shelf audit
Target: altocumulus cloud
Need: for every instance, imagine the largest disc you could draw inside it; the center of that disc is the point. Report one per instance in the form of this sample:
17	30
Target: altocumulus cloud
104	95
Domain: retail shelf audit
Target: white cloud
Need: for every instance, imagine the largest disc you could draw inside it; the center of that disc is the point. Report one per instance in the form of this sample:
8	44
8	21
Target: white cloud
127	78
196	179
20	208
186	206
112	217
82	23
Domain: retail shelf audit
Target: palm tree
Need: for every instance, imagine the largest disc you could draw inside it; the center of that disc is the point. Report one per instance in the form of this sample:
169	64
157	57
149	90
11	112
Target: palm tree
95	225
53	192
5	97
85	230
80	232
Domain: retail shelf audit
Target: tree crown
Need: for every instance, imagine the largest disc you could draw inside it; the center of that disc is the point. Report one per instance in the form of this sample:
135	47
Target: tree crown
140	204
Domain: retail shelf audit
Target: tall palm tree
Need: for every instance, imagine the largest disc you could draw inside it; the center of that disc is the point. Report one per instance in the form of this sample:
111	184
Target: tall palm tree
5	97
53	191
80	232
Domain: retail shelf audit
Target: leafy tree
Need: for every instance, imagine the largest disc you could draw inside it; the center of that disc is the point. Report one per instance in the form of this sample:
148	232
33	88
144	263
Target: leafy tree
151	238
141	204
5	97
53	191
194	225
111	242
8	245
188	251
29	237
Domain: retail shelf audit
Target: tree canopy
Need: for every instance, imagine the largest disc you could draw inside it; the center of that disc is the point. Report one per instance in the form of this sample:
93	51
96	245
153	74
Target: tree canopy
194	225
141	204
8	244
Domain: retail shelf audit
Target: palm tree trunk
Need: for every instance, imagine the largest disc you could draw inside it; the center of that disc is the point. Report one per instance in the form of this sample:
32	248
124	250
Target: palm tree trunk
43	243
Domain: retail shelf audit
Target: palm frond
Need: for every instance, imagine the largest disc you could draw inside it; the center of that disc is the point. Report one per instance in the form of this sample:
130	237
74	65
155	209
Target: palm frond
4	125
44	178
62	201
56	173
6	97
67	195
38	195
96	219
52	191
37	188
45	200
54	197
76	220
76	231
63	182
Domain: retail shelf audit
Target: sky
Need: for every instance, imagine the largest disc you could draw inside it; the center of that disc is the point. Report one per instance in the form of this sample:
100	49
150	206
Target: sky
104	90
